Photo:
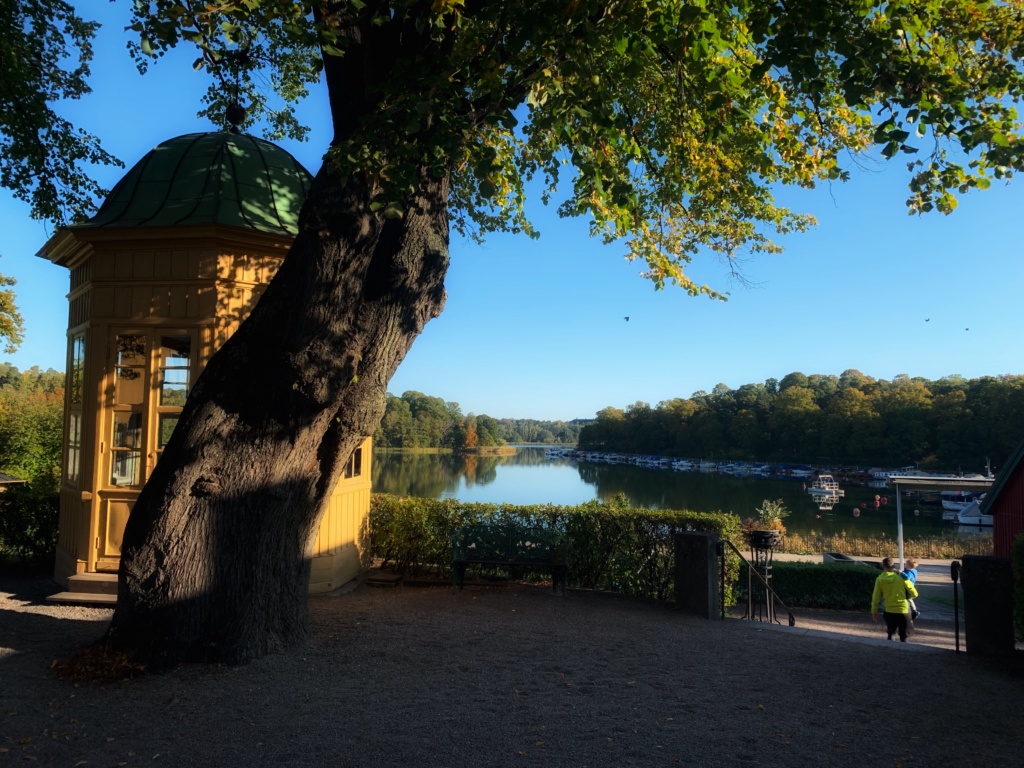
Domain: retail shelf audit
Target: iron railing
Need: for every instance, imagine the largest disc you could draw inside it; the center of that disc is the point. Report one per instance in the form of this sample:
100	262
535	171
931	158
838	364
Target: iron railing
771	597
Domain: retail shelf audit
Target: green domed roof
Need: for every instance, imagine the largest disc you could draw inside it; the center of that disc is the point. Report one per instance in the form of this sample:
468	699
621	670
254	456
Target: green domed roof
209	178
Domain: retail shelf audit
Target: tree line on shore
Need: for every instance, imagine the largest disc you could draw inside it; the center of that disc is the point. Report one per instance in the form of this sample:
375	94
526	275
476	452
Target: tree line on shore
416	420
952	423
31	424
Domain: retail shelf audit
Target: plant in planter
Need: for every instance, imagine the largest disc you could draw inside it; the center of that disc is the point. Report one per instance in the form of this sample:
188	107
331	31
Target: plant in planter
767	529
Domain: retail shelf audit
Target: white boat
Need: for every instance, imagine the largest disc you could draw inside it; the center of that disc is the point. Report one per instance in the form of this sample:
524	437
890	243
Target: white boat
826	492
825	485
957	501
885	474
971	514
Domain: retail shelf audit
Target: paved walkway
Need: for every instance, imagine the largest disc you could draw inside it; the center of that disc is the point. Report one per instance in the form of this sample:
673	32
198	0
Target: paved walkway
935	629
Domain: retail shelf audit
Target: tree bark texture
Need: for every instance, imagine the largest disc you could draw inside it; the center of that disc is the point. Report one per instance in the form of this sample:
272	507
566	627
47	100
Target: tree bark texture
215	563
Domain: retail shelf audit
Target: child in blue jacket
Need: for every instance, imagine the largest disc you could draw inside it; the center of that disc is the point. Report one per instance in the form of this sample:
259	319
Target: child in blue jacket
910	574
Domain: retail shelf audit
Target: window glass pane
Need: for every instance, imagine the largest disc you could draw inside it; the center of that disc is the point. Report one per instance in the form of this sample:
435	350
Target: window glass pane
77	367
126	469
175	364
174	388
126	449
167	424
354	468
74	447
131	349
127	430
130	369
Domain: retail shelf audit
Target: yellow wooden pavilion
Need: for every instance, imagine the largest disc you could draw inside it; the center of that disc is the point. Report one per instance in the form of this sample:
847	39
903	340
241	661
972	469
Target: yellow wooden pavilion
161	276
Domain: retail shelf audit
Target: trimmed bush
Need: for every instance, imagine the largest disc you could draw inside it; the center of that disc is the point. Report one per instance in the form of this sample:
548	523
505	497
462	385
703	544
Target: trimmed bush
612	547
838	586
28	523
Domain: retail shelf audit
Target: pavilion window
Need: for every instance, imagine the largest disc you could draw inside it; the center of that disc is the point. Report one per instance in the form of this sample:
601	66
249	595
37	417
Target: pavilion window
174	368
354	467
126	443
73	457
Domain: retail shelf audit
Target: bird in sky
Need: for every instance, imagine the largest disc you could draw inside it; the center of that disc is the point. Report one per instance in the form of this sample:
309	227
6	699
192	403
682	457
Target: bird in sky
627	318
927	319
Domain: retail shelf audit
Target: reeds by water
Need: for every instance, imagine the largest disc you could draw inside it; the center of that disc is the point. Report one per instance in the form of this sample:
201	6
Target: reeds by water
947	546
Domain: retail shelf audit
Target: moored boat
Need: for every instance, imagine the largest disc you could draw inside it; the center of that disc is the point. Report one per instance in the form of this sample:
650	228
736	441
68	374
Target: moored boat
972	515
957	501
825	485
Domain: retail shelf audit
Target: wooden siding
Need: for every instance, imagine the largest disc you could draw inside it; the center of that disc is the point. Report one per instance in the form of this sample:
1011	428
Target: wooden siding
72	535
1008	512
79	309
69	533
340	547
81	275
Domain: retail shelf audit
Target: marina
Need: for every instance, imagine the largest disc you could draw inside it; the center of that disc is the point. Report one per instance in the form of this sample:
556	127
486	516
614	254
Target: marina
562	476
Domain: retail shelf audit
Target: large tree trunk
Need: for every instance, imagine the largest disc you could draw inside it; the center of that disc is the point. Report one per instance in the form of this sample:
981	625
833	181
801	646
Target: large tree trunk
214	562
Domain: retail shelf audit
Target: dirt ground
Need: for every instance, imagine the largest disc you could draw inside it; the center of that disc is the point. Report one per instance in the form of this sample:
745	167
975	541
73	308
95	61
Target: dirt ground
513	676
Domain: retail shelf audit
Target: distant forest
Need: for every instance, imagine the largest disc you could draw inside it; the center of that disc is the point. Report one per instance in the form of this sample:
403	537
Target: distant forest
415	420
949	424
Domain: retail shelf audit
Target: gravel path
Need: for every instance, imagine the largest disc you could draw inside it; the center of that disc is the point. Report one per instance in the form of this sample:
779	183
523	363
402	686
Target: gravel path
511	676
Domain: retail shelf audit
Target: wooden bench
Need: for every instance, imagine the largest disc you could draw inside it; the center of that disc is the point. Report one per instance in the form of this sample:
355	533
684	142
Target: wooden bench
510	545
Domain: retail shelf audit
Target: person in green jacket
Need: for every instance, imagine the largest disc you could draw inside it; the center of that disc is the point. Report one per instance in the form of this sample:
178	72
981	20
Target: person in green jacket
895	591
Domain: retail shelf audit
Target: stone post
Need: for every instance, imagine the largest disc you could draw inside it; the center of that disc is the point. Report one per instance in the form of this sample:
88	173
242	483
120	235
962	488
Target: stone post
697	573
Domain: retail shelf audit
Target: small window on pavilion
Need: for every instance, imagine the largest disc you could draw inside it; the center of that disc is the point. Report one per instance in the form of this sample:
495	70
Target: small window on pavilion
174	372
76	371
354	468
130	370
77	368
74	455
126	449
168	421
175	366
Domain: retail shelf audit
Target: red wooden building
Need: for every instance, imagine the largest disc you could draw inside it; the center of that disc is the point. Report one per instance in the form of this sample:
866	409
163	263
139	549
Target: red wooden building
1005	502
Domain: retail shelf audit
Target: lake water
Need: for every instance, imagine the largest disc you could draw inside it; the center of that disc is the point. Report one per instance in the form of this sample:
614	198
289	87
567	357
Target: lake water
529	477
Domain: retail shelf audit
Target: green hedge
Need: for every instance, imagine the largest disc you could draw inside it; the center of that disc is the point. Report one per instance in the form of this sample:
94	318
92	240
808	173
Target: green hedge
1017	564
613	547
28	523
839	586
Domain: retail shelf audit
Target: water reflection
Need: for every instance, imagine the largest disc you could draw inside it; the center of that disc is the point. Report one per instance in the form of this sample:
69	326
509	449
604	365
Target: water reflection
529	477
432	476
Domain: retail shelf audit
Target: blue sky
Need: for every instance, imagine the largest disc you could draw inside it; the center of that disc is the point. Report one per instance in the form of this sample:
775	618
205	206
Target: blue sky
536	328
